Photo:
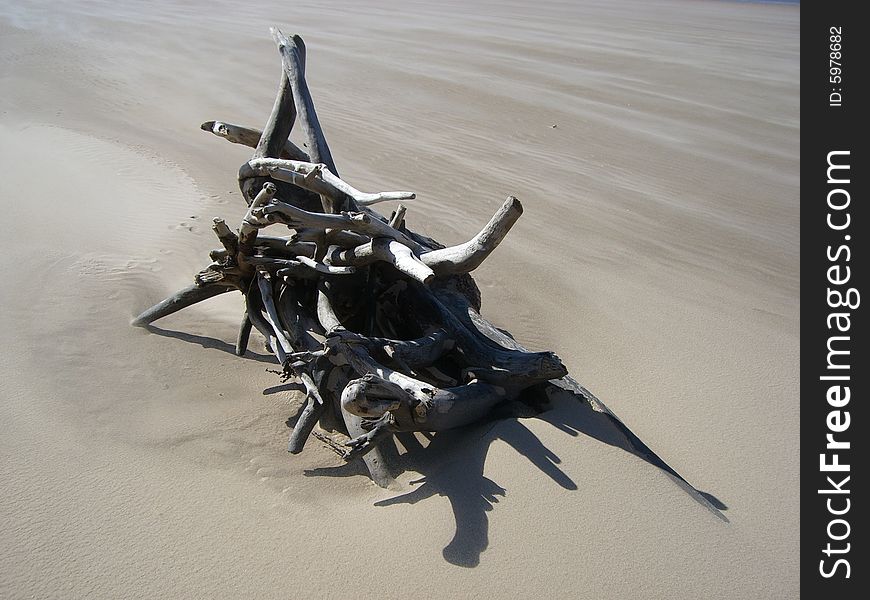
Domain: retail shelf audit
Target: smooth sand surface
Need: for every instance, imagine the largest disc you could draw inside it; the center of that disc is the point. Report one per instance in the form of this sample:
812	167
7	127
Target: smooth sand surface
655	148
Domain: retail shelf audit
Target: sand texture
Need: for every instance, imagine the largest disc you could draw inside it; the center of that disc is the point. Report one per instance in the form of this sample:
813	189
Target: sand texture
655	148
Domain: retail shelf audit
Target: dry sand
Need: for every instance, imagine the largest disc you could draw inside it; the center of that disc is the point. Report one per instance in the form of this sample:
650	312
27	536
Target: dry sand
655	147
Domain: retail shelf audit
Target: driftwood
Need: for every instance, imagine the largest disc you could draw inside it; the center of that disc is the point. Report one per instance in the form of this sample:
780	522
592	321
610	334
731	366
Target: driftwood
379	324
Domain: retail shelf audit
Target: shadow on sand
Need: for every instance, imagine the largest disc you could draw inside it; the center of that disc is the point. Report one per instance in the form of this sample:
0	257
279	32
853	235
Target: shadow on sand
452	463
209	342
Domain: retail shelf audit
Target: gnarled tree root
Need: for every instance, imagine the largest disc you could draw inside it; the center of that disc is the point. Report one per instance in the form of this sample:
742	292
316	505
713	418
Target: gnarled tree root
379	324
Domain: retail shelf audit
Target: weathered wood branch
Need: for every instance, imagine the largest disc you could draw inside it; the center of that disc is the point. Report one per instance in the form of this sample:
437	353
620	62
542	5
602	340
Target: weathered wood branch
468	256
386	250
325	313
318	178
251	224
228	239
244	335
249	137
293	53
305	425
353	221
181	299
254	308
324	268
300	267
284	346
277	129
398	217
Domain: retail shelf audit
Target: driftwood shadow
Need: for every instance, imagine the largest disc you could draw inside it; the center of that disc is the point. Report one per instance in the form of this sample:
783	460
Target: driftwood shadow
452	466
452	463
209	342
595	420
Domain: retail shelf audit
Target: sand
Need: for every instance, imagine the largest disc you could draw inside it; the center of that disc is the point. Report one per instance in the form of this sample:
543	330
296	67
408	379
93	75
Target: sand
655	148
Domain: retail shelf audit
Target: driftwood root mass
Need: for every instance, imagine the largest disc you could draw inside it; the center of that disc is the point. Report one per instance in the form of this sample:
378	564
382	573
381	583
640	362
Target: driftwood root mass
380	324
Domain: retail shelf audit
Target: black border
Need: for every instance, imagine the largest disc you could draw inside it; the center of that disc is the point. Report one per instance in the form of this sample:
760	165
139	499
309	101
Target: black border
824	129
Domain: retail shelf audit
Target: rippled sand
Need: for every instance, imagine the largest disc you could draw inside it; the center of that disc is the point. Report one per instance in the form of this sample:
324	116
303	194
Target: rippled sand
655	148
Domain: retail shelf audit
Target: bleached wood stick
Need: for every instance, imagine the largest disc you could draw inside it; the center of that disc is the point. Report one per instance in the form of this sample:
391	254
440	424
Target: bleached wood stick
251	224
273	263
301	329
288	317
373	457
354	221
293	52
304	425
244	335
181	299
254	306
468	256
324	268
310	387
281	119
228	239
398	216
318	178
325	314
285	347
247	136
388	251
300	267
292	58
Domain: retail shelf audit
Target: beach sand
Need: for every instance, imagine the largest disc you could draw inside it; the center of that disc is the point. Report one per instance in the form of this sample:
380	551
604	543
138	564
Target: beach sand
655	148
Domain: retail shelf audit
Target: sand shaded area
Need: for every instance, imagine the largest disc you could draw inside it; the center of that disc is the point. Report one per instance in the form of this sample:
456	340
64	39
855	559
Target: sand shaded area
655	149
